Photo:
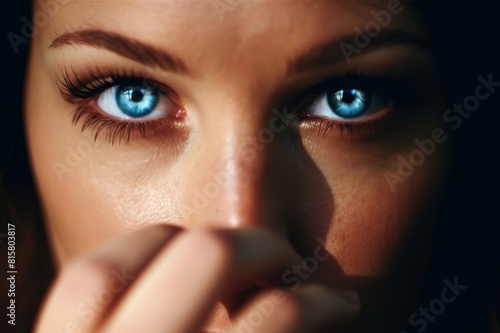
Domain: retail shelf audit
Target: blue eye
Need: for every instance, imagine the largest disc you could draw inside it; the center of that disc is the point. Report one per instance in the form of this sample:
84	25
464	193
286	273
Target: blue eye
135	101
349	104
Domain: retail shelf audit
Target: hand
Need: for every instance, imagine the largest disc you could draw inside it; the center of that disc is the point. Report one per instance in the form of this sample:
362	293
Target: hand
164	279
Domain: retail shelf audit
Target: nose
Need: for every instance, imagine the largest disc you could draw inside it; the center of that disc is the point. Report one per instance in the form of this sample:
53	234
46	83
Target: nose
242	169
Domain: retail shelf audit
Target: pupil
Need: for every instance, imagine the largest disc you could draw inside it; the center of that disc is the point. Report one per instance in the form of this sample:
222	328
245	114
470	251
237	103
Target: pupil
137	95
348	96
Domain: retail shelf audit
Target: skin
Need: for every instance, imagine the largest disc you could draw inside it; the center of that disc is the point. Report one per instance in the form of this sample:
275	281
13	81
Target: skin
204	259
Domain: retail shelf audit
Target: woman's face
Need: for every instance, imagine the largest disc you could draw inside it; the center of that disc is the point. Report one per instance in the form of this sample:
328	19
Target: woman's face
296	116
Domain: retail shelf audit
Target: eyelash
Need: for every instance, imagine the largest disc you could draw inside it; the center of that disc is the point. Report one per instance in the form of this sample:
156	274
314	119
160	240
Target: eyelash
399	95
78	91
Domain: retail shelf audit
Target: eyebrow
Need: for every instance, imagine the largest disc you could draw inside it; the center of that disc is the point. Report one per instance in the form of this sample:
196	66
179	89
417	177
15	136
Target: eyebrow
127	47
331	51
318	56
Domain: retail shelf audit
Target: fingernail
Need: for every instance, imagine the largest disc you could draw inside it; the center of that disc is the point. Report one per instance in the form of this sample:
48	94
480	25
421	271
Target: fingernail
350	295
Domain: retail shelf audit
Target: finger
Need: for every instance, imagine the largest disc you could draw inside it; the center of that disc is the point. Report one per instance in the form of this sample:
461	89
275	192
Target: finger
312	309
85	289
136	249
179	288
259	258
324	309
272	310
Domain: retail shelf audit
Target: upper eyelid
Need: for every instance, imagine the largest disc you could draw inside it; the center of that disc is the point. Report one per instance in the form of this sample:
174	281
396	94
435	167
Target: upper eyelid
95	90
73	88
394	90
298	102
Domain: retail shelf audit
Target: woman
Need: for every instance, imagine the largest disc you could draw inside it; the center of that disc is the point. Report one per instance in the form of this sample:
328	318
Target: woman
244	166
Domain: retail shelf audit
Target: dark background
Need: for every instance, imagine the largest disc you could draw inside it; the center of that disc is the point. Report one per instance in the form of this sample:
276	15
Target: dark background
467	38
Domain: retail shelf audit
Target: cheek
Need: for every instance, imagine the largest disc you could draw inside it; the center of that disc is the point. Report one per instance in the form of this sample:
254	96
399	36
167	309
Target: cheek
383	211
54	155
91	194
377	226
90	198
372	226
89	191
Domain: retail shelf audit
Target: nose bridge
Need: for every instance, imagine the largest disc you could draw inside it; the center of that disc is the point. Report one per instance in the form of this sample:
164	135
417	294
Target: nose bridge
241	156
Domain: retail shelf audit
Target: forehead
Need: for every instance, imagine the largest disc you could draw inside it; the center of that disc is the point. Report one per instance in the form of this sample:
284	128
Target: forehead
213	38
229	21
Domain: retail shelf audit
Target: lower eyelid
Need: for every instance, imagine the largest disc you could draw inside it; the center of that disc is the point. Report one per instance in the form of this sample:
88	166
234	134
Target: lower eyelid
348	131
121	131
364	129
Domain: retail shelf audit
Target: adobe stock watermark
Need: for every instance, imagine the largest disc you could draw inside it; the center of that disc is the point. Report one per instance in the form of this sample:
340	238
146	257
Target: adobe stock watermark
420	320
292	278
249	148
74	157
363	37
29	29
261	310
298	274
88	309
454	116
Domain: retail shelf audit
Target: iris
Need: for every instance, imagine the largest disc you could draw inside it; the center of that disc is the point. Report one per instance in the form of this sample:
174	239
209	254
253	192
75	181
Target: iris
136	101
349	103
